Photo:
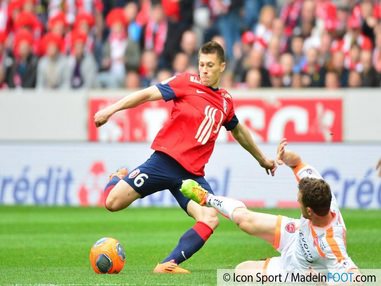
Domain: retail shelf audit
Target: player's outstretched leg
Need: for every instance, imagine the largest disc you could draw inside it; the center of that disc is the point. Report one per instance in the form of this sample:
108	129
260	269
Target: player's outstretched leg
226	206
254	223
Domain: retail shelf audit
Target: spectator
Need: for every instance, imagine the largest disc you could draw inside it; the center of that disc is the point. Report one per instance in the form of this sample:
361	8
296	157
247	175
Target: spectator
227	17
332	80
163	75
155	34
253	79
180	63
272	53
354	79
21	71
278	32
352	60
290	13
276	75
82	67
132	80
148	68
263	30
376	57
241	55
52	67
287	64
134	28
84	24
252	11
296	80
119	53
368	73
297	53
307	18
312	74
3	50
58	24
255	60
337	65
189	46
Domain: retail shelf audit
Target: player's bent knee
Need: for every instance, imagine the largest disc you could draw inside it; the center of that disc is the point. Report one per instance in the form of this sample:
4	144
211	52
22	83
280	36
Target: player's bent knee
241	216
111	204
245	220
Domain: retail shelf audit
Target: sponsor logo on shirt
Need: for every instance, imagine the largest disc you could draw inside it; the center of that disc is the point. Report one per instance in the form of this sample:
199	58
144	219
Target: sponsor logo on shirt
134	173
290	227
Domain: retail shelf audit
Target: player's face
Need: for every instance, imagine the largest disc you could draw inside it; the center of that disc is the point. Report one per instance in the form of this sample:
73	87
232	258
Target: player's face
210	69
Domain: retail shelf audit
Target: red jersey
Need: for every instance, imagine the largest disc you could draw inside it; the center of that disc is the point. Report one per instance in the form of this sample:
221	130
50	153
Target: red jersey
198	113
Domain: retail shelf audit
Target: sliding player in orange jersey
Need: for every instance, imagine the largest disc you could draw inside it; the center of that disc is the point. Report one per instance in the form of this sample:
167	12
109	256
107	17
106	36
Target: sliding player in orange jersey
315	242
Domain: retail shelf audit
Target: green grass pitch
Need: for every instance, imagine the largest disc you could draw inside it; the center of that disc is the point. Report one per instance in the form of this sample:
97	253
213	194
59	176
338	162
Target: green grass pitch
50	245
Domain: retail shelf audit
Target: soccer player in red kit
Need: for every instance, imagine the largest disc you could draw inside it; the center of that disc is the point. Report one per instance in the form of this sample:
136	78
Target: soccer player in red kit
182	147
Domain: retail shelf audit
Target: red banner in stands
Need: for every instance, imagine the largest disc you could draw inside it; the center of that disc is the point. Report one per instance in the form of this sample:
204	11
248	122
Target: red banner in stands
299	120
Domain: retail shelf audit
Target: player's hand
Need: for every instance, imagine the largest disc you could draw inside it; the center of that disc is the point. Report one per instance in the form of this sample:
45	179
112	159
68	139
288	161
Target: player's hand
101	117
280	151
270	166
379	168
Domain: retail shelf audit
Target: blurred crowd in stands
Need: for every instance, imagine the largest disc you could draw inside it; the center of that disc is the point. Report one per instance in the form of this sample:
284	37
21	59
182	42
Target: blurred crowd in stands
76	44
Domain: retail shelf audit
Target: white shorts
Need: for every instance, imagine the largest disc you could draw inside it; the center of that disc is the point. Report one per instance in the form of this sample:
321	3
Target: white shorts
273	266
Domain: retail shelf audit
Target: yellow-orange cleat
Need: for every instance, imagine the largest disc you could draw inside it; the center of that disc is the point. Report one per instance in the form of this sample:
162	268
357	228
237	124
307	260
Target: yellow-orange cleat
120	173
192	190
170	267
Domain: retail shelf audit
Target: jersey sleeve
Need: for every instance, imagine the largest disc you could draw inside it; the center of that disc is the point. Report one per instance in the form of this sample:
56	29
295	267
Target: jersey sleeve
231	119
303	170
232	123
174	87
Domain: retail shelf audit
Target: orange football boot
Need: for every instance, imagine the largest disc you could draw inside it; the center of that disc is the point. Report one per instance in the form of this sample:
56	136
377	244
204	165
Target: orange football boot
170	267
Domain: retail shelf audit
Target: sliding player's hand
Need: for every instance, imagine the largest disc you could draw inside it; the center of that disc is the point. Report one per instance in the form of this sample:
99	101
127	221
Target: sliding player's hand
379	168
280	151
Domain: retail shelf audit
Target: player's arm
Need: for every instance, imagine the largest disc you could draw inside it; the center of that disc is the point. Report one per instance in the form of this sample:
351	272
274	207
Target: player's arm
244	138
287	157
379	168
134	99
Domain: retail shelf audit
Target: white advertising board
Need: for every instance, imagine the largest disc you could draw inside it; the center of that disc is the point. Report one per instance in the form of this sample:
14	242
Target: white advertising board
75	174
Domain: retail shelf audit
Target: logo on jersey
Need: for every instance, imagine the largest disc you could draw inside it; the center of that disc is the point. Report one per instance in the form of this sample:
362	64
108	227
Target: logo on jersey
134	173
194	79
290	227
206	127
199	91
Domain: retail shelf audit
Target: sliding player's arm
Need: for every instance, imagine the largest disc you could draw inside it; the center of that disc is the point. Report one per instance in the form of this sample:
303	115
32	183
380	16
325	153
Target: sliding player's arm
134	99
300	168
294	161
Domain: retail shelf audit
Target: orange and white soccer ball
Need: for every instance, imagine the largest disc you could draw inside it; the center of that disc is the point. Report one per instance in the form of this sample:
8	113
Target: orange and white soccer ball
107	256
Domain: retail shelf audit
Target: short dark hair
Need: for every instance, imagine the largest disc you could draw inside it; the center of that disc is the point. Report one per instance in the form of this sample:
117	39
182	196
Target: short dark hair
212	47
316	194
